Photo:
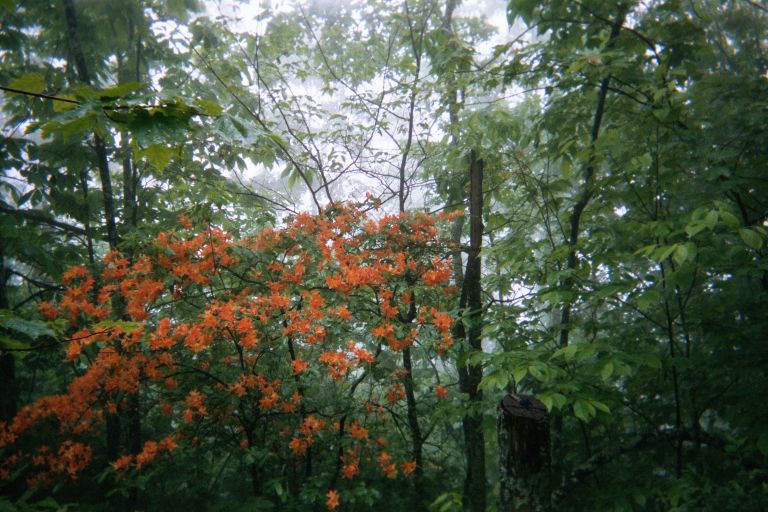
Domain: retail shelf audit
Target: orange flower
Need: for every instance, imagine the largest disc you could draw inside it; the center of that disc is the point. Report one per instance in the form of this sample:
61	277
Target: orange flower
121	464
343	313
441	391
408	467
299	366
395	393
48	310
333	500
387	466
298	446
358	432
350	470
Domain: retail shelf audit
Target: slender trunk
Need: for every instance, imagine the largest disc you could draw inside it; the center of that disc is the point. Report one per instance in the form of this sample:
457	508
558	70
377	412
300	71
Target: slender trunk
675	378
87	216
417	439
587	190
413	420
7	362
470	302
471	374
113	420
585	196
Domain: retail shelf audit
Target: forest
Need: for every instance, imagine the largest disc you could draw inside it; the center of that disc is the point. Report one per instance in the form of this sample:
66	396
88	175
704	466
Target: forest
397	255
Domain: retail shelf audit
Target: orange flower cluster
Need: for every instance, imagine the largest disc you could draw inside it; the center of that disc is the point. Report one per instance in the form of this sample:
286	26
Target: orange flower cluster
358	432
387	466
396	393
307	432
337	363
350	464
148	454
196	260
333	500
195	406
242	324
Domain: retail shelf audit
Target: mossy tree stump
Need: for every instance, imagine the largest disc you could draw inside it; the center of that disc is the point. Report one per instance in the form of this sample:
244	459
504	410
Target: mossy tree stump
523	436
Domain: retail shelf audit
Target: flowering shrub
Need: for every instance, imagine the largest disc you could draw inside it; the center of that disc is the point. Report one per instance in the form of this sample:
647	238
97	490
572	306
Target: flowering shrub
283	343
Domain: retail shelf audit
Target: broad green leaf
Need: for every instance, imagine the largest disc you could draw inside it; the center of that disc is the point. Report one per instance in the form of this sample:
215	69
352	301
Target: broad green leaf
693	228
124	325
31	328
519	374
63	106
762	443
649	360
494	380
711	219
648	298
158	155
13	344
31	82
663	252
552	399
209	107
606	371
751	238
583	410
730	219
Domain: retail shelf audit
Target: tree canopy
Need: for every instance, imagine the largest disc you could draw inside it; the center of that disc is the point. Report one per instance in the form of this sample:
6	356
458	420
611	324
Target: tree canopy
292	256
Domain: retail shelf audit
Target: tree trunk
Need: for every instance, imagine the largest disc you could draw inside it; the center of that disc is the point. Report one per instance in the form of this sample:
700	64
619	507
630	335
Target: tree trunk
471	374
7	362
113	421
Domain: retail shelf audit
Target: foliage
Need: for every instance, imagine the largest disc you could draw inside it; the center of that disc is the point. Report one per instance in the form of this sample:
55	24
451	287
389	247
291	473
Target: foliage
222	348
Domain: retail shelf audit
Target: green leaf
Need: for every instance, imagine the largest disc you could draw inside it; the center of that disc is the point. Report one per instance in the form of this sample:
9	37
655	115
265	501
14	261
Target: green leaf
63	106
663	252
693	228
762	443
519	374
209	107
730	219
538	371
552	399
606	371
600	406
649	360
583	410
31	328
158	155
681	254
13	344
711	219
648	298
751	238
494	380
31	82
123	325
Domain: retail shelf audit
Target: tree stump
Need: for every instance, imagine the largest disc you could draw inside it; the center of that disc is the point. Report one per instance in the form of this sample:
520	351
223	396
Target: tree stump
523	436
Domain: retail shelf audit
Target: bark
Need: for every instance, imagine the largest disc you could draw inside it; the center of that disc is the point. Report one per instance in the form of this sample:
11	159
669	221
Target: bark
585	195
417	437
587	189
471	374
113	421
7	362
